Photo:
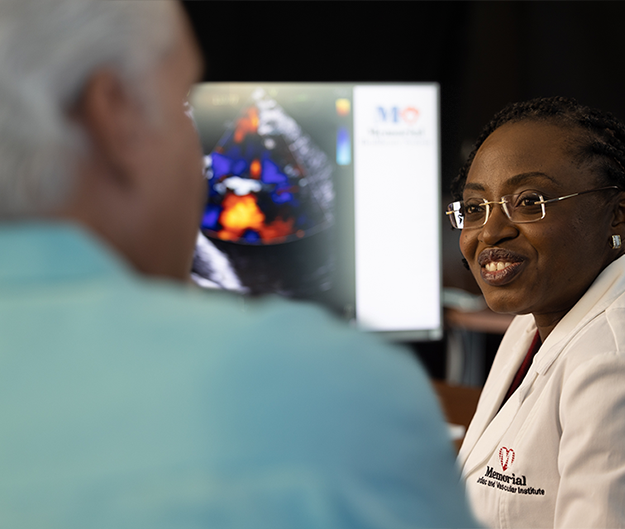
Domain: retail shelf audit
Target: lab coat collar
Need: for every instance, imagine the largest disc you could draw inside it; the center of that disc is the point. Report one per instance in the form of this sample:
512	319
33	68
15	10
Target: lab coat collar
610	283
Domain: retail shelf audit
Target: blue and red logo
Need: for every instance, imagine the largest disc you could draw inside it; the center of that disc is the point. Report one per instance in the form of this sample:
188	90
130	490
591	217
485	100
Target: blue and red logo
408	115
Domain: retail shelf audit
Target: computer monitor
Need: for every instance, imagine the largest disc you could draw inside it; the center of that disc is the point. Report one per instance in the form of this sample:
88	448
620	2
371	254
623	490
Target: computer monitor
328	192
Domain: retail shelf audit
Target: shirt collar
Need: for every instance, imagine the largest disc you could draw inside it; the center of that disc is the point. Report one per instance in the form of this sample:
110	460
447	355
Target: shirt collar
53	251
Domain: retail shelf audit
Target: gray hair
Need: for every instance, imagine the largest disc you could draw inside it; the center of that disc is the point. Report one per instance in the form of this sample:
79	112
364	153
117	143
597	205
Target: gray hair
48	51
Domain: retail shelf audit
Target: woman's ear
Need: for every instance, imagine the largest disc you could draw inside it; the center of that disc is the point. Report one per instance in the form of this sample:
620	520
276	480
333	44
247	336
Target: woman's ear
619	212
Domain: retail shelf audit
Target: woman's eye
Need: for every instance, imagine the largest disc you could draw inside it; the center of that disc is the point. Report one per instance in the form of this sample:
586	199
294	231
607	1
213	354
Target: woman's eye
473	208
528	200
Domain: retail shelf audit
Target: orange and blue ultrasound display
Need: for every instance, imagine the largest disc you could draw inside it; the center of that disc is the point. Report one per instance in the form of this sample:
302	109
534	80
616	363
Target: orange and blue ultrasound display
268	181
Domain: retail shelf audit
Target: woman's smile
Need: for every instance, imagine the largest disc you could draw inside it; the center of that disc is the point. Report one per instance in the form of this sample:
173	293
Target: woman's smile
499	267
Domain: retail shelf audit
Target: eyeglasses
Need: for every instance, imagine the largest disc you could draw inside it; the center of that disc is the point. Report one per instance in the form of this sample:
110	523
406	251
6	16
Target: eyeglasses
522	208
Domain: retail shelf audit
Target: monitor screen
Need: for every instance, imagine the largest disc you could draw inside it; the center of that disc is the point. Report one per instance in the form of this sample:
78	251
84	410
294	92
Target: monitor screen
328	192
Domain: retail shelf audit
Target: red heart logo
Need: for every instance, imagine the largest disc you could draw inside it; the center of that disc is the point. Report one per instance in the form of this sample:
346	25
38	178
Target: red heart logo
506	457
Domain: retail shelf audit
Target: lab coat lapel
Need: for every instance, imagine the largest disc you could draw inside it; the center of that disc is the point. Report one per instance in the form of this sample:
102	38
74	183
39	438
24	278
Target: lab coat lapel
487	425
496	424
491	437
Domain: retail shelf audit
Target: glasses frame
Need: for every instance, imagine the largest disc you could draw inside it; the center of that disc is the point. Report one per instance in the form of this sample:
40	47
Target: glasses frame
454	207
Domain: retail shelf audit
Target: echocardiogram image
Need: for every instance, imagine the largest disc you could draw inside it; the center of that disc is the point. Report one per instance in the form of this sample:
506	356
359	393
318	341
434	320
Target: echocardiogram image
268	182
270	214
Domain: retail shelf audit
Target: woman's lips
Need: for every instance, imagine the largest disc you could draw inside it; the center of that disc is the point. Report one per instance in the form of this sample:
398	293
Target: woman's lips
499	267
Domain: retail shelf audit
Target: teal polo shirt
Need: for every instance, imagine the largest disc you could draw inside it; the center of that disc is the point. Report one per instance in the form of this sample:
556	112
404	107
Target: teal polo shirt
128	402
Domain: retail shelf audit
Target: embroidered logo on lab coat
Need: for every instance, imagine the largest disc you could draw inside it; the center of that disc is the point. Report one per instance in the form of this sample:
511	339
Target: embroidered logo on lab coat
507	482
506	457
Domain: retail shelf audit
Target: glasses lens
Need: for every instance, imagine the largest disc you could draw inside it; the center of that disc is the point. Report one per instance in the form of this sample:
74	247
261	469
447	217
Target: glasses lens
525	207
454	212
475	212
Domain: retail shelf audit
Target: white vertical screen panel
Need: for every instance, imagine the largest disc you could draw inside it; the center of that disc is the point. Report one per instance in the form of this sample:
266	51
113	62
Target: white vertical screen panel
396	173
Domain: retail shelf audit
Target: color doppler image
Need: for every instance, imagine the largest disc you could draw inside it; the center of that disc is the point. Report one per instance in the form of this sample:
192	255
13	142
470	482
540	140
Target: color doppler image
269	223
268	182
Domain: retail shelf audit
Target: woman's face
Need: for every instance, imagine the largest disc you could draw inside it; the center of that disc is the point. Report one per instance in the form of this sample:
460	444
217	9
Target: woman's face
542	267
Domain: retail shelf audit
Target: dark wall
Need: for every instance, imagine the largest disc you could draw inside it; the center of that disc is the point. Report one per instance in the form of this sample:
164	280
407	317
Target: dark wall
521	50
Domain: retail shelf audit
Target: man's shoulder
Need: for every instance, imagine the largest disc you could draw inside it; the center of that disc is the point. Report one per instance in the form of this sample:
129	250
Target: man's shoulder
240	323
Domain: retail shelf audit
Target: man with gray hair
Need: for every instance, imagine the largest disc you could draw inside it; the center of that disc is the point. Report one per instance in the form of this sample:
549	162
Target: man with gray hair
129	399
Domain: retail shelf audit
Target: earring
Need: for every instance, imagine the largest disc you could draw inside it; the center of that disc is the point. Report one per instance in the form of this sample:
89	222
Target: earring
615	242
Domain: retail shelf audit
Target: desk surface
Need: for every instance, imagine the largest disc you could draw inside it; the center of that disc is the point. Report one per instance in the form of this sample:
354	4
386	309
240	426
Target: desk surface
458	403
481	321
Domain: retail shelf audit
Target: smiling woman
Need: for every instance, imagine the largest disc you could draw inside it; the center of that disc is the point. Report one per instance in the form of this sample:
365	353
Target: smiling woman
548	273
541	206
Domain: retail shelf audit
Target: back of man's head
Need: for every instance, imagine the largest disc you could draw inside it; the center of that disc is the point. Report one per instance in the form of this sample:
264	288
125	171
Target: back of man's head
47	52
92	125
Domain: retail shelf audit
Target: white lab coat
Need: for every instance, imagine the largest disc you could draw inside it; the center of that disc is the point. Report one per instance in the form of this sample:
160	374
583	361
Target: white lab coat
554	455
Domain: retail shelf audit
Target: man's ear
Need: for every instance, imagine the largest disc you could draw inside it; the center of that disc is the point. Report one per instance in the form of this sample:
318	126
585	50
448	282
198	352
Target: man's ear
112	120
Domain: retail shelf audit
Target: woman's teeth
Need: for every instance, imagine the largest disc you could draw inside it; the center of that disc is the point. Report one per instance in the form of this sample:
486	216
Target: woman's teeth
494	267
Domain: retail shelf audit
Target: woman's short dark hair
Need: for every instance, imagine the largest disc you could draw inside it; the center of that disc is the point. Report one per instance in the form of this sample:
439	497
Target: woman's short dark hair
601	141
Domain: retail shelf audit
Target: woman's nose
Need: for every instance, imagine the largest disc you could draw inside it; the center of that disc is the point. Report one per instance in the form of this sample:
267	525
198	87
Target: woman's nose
498	226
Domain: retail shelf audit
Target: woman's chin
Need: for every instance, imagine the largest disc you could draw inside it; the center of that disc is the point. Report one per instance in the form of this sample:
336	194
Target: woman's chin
504	304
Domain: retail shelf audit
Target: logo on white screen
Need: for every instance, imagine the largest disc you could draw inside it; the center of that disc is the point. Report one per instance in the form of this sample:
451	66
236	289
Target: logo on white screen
395	124
397	114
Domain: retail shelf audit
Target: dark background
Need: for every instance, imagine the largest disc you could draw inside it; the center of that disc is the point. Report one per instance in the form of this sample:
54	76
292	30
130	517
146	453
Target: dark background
484	54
